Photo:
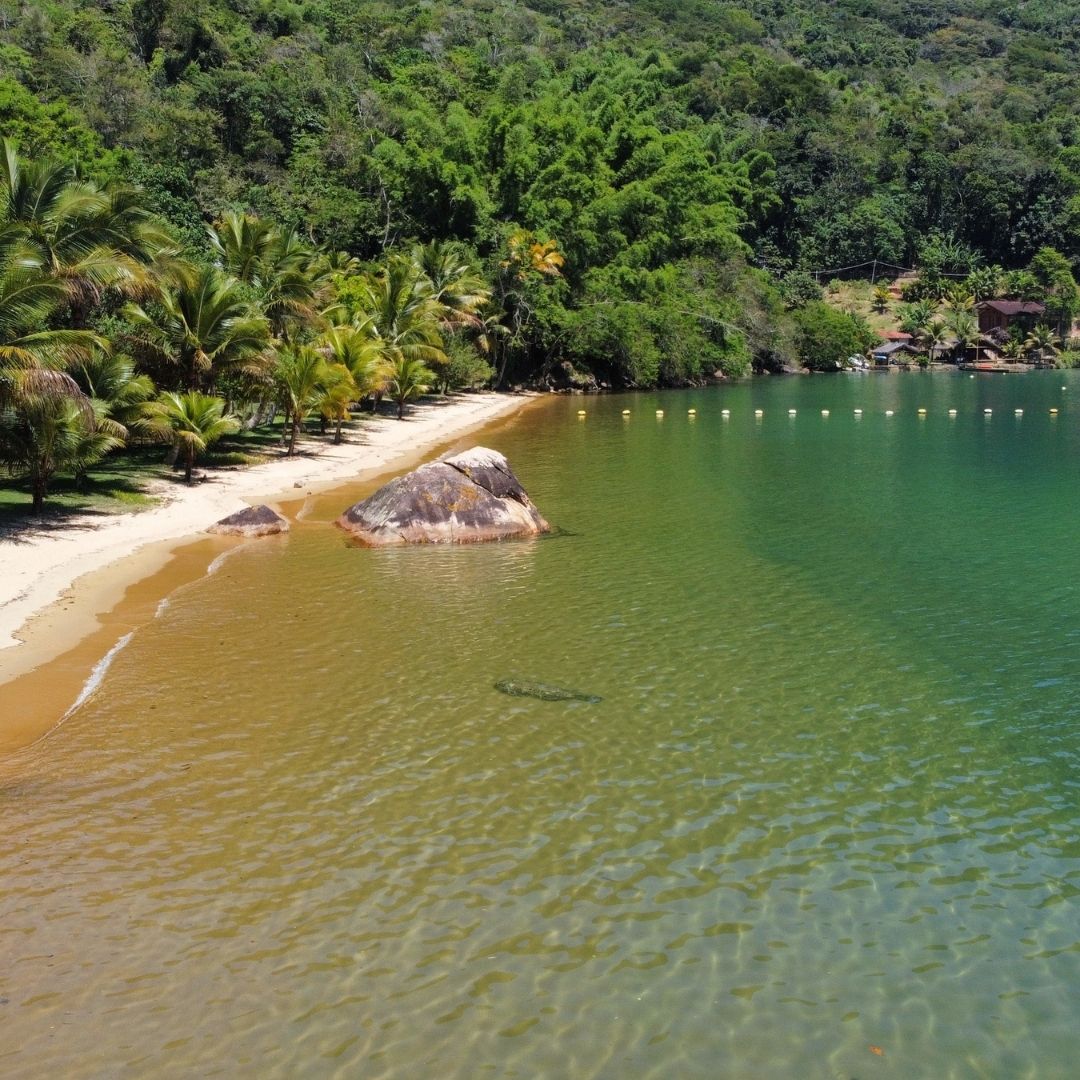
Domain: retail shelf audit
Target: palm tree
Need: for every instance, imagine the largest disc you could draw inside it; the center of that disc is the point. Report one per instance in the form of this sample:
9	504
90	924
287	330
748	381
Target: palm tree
357	348
206	327
881	299
528	253
110	380
914	318
959	298
1041	342
196	421
290	278
526	257
90	240
934	335
47	433
337	393
34	361
300	375
397	310
964	327
408	379
453	282
242	244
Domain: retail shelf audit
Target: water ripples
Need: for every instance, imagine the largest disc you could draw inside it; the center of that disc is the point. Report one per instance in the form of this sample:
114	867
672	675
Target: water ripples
828	801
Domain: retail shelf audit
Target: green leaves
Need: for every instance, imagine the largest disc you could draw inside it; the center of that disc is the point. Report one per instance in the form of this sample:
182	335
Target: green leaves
827	337
205	325
195	421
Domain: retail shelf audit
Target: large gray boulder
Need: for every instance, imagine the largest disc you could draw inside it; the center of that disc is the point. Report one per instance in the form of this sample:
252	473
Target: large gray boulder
253	521
465	499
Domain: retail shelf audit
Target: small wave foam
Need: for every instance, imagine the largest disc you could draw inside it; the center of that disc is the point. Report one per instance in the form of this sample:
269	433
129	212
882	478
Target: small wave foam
100	668
217	564
162	607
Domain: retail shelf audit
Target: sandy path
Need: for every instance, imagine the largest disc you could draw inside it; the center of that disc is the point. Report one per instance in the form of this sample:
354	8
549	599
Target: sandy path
38	567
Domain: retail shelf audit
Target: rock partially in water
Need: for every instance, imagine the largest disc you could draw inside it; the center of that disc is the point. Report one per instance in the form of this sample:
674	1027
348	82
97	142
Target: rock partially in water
543	691
253	521
465	499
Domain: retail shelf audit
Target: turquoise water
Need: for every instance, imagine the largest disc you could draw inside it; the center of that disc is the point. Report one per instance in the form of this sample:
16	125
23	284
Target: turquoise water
824	822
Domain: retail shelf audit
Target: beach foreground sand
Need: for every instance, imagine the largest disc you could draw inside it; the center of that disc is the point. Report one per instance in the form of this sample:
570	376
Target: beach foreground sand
37	567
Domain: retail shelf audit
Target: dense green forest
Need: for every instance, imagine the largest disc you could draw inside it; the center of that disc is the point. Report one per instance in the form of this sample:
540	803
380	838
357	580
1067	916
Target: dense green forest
693	168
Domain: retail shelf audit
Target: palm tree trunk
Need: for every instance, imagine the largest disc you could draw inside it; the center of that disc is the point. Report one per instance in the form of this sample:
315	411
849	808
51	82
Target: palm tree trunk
39	494
337	432
401	409
295	433
189	464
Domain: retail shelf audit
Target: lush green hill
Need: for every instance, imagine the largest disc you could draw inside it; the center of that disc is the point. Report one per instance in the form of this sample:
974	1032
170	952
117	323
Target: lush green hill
669	148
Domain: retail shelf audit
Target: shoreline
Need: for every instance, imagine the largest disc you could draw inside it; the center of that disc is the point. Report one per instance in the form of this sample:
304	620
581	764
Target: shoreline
58	584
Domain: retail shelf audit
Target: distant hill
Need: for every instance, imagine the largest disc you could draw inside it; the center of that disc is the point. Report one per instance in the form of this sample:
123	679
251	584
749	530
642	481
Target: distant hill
667	146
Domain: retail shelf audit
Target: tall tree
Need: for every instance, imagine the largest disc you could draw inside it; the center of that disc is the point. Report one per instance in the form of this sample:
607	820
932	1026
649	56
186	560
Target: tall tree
89	240
195	421
205	326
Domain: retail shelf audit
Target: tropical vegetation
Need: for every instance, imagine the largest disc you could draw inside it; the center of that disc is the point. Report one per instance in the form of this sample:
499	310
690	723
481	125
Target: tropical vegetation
567	193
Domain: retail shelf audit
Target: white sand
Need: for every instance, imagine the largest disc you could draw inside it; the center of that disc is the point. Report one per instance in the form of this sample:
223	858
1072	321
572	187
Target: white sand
38	567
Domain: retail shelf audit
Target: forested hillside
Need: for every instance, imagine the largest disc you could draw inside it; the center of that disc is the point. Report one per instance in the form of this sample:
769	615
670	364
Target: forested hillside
690	160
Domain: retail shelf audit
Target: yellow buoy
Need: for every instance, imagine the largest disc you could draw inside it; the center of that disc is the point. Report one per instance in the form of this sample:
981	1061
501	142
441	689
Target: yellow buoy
952	412
858	412
1019	412
626	412
922	412
691	412
759	413
581	413
888	412
791	412
659	414
987	412
725	412
1053	412
824	412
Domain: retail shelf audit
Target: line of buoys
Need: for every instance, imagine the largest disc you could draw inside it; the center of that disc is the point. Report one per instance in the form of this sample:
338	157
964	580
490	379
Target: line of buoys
858	413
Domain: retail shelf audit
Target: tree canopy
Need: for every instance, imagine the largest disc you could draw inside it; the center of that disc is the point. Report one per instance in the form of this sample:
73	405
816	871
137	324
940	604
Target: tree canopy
665	152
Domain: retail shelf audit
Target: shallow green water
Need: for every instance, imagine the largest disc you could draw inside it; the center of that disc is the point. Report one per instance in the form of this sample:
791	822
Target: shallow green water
828	803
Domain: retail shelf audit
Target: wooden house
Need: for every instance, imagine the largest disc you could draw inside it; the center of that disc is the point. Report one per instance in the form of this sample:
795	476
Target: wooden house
1002	314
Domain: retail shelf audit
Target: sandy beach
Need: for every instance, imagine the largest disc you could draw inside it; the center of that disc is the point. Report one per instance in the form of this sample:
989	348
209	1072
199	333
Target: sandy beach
38	567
